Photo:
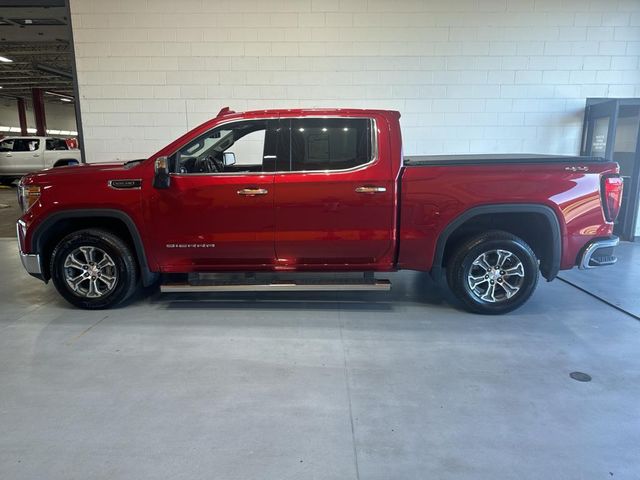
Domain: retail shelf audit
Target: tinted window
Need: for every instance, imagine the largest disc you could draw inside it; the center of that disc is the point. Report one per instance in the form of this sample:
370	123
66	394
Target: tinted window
56	144
20	145
251	143
330	143
6	146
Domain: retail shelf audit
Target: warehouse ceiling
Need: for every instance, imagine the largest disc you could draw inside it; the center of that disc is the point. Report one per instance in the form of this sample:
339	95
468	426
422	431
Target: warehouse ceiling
37	41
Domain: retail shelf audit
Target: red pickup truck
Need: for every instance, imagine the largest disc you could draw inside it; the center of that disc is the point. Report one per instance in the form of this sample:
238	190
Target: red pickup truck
261	200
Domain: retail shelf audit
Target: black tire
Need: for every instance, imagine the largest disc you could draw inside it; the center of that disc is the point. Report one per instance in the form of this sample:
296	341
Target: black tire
122	266
510	291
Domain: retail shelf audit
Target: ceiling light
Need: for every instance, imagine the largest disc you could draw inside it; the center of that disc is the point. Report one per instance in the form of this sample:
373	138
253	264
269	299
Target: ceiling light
63	99
301	129
345	129
324	129
5	60
30	22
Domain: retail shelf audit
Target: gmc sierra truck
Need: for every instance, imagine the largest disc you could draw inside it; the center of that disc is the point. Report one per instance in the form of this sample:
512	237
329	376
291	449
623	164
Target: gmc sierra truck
315	200
22	155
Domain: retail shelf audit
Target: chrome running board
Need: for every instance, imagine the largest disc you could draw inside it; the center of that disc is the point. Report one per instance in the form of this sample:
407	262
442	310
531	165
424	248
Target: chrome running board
268	282
276	287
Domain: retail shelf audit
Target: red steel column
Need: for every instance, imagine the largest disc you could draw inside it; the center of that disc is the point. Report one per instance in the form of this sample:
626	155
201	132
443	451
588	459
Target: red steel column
22	116
38	110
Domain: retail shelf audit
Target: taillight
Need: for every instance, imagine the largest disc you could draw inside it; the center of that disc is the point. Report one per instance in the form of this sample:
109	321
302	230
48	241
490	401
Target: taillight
611	197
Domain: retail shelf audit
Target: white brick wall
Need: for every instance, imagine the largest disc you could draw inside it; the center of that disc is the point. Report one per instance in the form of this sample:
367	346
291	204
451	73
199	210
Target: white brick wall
467	75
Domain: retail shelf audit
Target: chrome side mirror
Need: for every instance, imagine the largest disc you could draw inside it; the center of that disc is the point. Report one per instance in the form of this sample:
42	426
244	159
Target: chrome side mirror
161	179
229	158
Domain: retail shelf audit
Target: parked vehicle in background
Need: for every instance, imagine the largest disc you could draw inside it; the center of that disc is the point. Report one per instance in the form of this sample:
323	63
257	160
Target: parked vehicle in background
273	195
22	155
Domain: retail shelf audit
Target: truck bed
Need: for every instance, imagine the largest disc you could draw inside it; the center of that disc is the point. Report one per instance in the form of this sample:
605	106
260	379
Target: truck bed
498	158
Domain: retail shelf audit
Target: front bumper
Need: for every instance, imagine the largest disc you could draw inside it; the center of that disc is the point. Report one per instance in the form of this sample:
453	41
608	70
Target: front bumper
599	253
30	261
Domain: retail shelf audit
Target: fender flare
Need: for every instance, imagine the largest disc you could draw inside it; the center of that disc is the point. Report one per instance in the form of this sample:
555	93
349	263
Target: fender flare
544	210
148	277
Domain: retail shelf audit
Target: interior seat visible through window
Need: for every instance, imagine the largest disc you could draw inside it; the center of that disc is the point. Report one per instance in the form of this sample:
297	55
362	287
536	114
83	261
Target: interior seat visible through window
241	147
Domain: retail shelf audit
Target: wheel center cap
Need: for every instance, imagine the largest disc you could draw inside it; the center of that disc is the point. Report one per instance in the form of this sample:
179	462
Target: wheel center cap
494	274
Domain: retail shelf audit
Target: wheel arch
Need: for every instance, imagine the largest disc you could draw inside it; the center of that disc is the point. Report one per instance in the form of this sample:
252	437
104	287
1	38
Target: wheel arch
503	215
63	162
62	223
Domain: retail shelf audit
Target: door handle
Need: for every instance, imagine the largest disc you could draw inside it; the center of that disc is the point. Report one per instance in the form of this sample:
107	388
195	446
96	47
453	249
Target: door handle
252	192
370	189
36	154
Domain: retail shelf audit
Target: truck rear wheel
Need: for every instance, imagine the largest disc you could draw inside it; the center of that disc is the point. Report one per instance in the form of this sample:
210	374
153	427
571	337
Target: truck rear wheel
493	273
93	269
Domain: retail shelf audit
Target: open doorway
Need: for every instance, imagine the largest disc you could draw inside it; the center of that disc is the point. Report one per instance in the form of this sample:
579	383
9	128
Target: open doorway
37	86
612	130
39	116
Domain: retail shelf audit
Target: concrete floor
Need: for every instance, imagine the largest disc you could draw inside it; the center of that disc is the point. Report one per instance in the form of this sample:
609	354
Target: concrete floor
315	386
9	211
617	284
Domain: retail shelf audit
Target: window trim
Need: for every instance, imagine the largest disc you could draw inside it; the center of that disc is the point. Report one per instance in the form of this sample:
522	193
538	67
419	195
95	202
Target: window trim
374	148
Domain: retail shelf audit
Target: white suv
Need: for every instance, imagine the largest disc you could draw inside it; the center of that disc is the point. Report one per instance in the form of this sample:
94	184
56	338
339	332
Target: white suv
22	155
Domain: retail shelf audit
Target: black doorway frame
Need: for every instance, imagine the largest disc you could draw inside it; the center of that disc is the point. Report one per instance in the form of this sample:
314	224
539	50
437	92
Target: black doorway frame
65	4
596	107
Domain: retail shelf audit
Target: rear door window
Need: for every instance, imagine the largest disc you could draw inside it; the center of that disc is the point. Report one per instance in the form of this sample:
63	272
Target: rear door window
329	143
56	144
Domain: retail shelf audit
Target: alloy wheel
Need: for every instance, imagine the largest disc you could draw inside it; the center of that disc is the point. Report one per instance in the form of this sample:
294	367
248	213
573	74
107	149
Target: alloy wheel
496	276
90	272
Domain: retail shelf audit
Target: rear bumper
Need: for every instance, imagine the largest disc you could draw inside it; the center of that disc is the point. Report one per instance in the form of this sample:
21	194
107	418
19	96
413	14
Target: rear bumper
599	253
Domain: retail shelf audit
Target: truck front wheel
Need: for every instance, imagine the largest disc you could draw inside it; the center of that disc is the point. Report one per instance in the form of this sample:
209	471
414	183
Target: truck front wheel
93	269
493	273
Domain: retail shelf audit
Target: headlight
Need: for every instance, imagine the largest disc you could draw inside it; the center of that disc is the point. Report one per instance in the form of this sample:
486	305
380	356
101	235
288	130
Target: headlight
27	196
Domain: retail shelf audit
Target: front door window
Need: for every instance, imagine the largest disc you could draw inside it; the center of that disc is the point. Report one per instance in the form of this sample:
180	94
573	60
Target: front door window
241	147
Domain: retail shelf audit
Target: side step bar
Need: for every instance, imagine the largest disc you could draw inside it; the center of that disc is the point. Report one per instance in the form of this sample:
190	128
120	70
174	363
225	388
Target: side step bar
276	287
277	282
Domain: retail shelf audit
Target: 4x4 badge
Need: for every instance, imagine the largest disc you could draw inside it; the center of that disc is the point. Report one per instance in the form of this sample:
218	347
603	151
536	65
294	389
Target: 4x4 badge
577	169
